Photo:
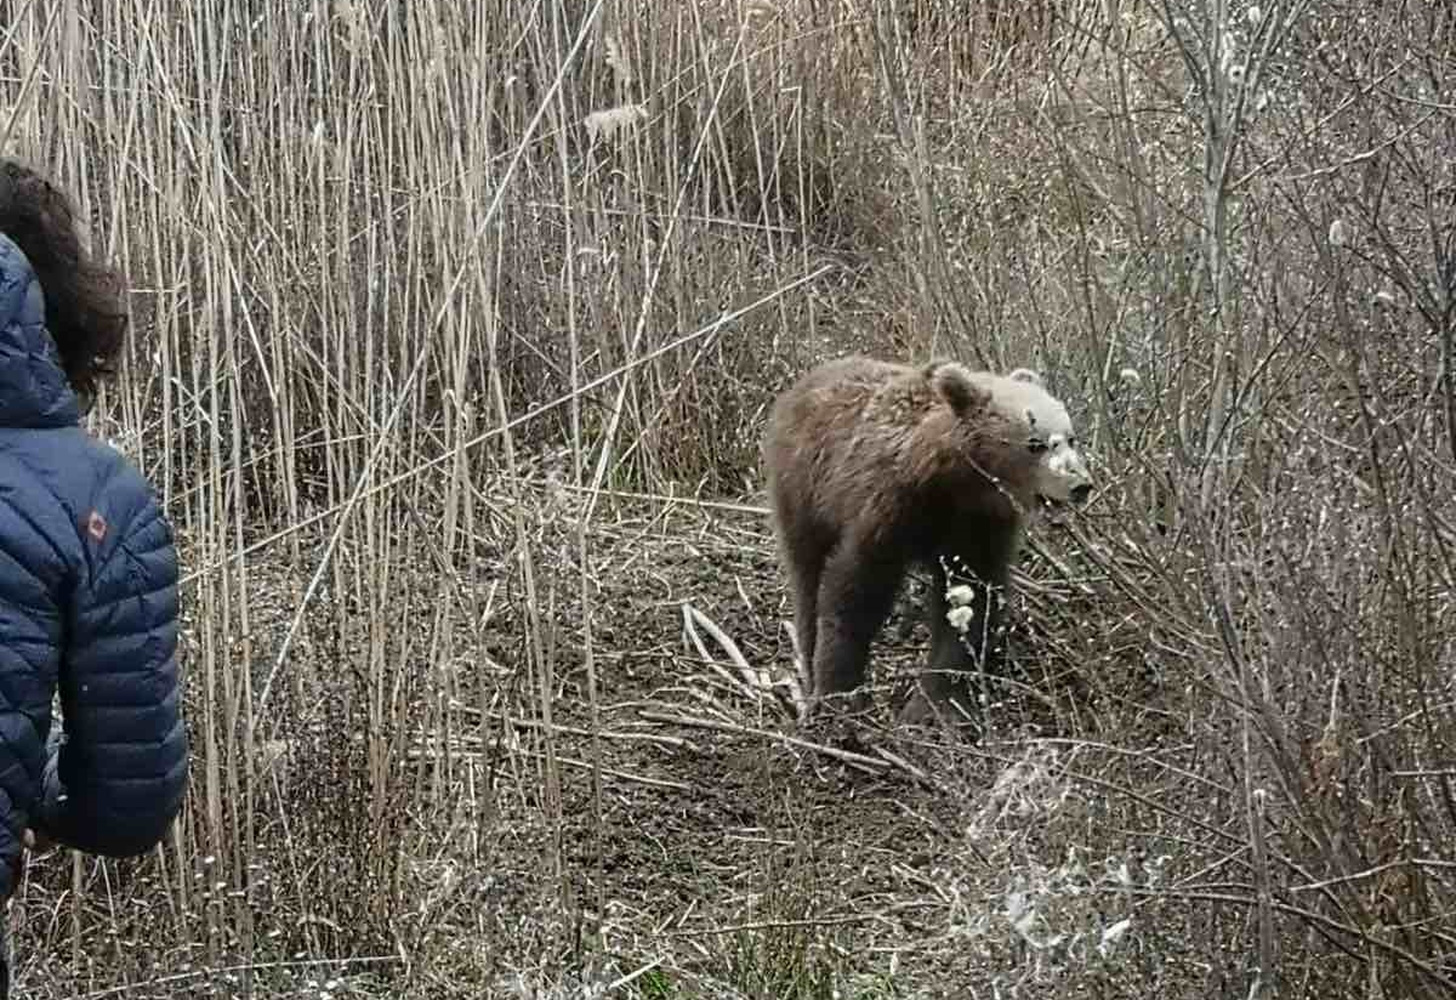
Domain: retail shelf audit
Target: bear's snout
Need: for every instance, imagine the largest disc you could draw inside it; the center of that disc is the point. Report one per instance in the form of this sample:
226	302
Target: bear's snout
1063	477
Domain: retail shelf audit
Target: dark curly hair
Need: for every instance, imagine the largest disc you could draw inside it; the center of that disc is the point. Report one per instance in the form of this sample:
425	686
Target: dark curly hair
85	300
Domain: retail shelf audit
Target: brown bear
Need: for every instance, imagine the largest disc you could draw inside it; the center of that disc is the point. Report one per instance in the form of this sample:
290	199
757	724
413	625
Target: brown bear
874	466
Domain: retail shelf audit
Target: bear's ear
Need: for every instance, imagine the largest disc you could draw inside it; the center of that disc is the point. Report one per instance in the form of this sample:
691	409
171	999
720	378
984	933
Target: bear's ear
1025	375
954	384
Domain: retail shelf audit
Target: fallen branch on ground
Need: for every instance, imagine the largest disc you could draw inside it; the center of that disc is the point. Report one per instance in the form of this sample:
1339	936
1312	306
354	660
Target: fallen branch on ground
754	683
870	765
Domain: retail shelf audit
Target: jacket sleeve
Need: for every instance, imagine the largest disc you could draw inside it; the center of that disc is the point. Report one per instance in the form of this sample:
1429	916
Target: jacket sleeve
116	780
30	625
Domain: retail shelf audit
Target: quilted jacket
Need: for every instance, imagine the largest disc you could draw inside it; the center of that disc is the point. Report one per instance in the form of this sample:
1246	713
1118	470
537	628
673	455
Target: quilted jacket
88	610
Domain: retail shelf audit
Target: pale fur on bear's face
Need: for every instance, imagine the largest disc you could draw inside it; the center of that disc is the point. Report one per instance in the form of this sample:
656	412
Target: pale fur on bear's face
1021	399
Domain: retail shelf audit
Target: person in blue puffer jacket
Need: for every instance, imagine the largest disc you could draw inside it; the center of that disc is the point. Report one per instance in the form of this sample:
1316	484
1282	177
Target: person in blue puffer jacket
88	568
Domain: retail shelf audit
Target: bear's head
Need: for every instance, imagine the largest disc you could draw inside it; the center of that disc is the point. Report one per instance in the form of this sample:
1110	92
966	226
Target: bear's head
1024	418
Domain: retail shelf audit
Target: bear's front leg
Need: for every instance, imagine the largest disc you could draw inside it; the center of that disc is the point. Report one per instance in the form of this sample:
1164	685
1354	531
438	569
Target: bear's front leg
856	593
966	639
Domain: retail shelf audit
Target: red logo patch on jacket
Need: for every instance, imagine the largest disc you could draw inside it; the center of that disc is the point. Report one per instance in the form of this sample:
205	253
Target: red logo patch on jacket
96	526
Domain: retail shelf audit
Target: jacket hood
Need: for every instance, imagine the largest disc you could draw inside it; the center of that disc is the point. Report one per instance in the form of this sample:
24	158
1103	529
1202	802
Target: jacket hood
34	391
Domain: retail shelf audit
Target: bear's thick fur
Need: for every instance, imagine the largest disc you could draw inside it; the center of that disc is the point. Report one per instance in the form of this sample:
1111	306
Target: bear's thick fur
873	466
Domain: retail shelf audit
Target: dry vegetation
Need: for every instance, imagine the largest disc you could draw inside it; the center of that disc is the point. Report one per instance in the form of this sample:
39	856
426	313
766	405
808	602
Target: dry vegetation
456	325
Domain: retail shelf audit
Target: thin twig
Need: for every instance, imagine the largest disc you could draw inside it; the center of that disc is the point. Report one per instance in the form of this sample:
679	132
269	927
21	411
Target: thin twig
415	753
860	761
675	742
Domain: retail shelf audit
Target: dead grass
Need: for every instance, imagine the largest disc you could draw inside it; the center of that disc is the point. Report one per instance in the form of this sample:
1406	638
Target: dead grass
456	326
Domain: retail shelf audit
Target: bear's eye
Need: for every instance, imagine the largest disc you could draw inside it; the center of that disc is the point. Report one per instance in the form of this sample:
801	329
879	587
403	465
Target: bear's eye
1036	446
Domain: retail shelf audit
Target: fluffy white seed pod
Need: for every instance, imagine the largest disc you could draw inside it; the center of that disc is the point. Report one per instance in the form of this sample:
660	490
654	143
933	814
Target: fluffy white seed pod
960	618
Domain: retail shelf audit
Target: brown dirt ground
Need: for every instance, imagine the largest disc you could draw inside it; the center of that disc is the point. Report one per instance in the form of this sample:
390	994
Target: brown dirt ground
735	824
